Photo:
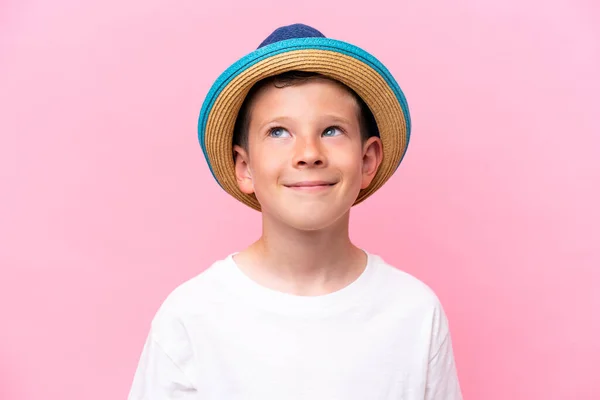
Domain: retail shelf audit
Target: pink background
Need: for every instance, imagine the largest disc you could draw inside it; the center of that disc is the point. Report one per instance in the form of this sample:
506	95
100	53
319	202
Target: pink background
107	204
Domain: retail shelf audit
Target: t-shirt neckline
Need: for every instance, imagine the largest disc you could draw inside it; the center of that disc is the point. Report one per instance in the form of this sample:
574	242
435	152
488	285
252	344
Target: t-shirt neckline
250	291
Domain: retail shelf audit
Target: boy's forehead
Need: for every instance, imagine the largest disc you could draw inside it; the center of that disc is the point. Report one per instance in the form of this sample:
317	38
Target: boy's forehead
310	97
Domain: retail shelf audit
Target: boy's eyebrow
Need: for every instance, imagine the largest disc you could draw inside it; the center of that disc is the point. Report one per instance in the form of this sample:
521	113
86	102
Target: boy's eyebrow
268	121
275	119
338	118
283	119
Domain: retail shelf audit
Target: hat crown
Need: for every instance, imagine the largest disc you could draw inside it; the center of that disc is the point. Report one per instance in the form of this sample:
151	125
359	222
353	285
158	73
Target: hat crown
294	31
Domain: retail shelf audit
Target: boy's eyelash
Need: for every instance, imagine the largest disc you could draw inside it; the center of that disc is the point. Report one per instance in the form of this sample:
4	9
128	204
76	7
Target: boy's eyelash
274	129
334	127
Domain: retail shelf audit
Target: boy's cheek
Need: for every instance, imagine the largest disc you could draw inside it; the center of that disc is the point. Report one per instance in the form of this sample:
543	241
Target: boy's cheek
268	163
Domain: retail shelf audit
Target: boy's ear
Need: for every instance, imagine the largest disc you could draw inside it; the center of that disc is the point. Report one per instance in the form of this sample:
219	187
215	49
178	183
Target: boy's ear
242	170
372	158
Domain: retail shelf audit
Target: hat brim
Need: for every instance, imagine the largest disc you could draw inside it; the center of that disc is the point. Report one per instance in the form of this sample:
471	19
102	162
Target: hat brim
339	60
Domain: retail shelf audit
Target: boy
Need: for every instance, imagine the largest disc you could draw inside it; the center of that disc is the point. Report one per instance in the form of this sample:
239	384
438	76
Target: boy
301	129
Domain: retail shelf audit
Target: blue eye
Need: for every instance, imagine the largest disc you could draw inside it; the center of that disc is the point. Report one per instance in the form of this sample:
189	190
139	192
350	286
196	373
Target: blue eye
332	131
278	132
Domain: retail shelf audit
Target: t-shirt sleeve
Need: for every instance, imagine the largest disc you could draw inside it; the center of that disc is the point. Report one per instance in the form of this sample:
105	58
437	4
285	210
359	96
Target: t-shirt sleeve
442	377
158	377
166	366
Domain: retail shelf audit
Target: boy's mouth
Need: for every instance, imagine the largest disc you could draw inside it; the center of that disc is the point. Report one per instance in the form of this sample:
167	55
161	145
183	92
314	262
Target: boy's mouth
311	185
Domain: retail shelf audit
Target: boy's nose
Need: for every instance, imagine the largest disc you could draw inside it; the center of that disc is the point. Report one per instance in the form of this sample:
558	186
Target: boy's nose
309	152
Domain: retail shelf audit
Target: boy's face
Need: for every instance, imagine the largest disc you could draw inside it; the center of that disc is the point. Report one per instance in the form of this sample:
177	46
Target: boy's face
306	161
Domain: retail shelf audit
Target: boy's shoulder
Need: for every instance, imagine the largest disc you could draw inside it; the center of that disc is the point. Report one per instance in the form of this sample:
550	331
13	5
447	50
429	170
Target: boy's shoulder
401	286
199	292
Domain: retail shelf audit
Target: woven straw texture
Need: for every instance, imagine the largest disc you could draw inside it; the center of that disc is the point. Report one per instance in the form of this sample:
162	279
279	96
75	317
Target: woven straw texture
367	83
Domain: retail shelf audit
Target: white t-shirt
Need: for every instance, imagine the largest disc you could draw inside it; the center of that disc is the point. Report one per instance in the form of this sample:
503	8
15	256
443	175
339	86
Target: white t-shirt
222	336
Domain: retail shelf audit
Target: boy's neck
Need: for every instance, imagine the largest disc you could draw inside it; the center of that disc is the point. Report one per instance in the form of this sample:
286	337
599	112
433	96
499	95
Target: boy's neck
303	262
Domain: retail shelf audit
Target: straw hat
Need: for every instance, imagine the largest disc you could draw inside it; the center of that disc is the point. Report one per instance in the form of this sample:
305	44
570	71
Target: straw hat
302	48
